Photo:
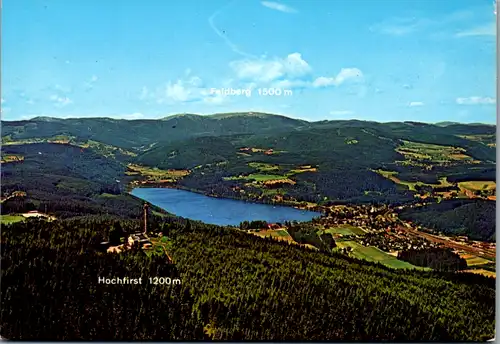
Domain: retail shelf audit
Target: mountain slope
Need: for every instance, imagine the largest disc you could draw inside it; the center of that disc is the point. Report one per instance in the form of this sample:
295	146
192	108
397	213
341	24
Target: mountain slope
139	134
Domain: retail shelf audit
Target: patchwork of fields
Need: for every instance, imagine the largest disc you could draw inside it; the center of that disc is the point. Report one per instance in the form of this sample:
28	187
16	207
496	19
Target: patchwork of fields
417	154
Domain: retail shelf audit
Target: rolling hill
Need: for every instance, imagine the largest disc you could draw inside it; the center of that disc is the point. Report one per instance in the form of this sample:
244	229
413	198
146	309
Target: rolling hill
350	161
234	285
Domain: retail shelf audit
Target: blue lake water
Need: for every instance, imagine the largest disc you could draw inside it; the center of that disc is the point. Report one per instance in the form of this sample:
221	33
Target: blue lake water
218	211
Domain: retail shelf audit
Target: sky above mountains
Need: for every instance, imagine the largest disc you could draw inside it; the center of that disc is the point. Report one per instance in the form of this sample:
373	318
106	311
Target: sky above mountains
383	60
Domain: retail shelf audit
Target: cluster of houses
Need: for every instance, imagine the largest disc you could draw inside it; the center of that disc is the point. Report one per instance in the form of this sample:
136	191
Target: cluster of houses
392	241
140	239
359	216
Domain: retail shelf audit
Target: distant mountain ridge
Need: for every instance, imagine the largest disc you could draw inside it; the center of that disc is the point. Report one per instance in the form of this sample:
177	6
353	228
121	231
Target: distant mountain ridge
224	115
141	134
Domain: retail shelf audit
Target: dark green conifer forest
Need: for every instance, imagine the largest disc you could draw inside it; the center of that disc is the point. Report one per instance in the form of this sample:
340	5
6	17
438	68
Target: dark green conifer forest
234	286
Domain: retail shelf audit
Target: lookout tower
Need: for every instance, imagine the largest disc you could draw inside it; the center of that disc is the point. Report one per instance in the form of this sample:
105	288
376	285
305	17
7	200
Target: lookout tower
146	207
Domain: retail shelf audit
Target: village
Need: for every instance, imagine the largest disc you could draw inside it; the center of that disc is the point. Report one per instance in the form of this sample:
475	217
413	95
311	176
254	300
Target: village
356	228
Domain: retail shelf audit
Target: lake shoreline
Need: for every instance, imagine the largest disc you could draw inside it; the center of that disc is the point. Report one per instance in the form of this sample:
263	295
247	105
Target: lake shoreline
219	210
316	208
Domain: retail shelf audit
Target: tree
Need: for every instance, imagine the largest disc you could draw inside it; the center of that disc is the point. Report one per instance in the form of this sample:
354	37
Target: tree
115	234
188	226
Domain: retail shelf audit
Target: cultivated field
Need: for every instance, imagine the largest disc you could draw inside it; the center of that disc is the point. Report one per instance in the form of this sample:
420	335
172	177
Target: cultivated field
373	254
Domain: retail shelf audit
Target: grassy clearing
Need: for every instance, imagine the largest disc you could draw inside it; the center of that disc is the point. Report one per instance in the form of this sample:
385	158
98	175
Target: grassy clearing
259	177
483	138
345	230
417	153
271	173
373	254
108	151
482	272
263	167
11	158
302	169
276	234
8	219
108	195
477	261
156	173
477	185
391	175
160	245
156	213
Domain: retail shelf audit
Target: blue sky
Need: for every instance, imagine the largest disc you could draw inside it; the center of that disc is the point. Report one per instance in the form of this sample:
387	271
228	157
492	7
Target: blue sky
383	60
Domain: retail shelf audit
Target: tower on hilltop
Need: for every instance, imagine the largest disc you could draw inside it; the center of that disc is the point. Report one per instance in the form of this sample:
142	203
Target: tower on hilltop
146	206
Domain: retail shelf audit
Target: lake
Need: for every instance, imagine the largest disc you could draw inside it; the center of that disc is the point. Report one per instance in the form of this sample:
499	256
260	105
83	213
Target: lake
218	211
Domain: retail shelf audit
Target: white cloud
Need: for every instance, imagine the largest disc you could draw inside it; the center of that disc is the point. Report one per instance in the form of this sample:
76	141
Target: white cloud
341	112
190	89
290	72
345	74
183	90
483	30
289	84
264	70
323	81
475	100
89	85
437	27
178	92
400	26
278	7
3	101
348	74
415	104
60	101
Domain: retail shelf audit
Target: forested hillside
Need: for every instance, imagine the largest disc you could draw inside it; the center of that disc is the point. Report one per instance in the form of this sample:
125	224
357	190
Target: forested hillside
234	286
65	181
473	219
